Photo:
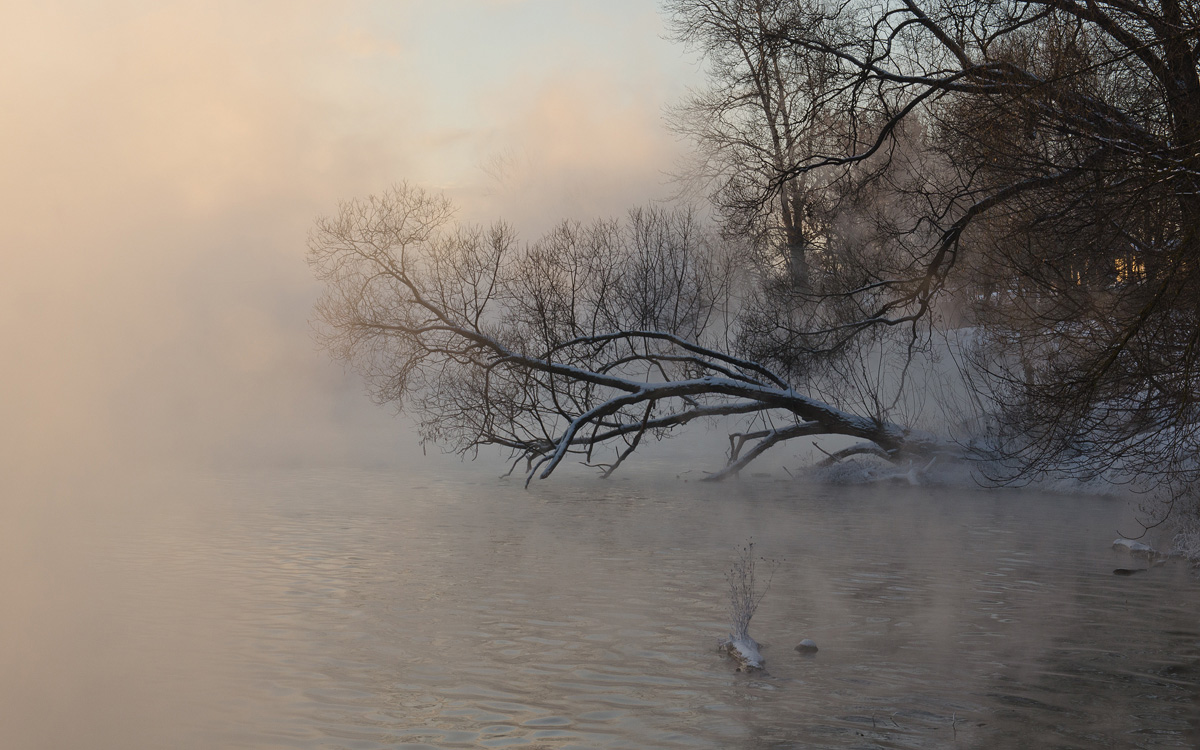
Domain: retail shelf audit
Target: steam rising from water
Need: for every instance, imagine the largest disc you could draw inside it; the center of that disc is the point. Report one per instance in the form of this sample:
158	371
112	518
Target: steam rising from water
160	164
304	609
163	162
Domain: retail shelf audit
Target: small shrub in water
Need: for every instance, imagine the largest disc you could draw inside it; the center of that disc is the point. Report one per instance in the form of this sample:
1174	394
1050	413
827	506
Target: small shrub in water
744	598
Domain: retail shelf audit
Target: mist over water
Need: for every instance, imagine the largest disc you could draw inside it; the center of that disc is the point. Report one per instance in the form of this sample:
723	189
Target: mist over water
161	165
337	608
209	537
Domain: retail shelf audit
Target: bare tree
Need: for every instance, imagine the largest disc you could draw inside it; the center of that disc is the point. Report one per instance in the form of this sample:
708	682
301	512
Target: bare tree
764	110
582	343
1031	168
1025	171
761	113
745	595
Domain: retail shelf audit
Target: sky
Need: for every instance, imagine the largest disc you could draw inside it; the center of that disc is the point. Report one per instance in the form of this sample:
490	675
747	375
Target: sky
161	162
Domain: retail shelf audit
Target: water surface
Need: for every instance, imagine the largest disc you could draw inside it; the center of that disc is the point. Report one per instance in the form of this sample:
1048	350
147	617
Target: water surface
350	609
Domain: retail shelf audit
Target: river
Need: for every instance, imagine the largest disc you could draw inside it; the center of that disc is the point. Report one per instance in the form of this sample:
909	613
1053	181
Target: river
389	609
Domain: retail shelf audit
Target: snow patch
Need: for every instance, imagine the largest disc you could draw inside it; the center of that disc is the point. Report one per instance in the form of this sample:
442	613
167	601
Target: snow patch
1187	536
745	650
1134	547
871	469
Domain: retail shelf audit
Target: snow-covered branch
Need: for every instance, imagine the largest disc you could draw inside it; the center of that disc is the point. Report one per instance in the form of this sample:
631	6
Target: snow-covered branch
453	322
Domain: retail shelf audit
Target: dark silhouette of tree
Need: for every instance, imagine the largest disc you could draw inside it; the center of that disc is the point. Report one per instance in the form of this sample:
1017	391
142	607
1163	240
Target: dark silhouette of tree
1026	174
593	336
1031	168
761	113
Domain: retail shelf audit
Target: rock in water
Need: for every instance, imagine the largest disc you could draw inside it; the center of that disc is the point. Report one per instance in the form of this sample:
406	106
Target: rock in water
745	650
807	646
1134	548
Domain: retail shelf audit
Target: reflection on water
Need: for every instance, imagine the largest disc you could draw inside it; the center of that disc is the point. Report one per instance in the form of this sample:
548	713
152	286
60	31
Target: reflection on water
353	610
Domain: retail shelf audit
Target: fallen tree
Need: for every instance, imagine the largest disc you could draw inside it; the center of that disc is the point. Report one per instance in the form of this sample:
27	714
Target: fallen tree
1030	169
584	343
1014	182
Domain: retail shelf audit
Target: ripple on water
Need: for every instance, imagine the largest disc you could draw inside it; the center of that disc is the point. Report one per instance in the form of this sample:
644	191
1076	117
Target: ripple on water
488	616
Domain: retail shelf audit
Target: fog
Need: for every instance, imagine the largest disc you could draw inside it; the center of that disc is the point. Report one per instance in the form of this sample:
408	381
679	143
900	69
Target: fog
210	537
162	163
